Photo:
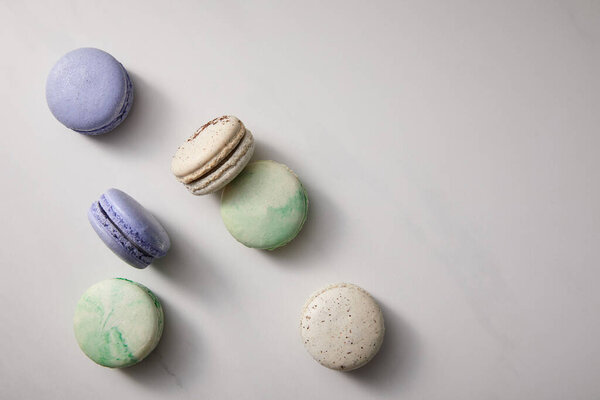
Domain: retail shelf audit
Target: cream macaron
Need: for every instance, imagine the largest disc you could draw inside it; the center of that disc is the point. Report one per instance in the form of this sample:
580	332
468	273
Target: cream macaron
214	155
342	327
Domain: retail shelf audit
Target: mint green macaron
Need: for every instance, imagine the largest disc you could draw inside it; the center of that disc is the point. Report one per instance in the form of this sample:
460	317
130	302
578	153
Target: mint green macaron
265	206
118	322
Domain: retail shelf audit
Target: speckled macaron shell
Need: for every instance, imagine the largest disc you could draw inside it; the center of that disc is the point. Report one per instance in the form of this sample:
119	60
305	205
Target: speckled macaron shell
118	322
206	148
342	327
265	206
227	170
89	91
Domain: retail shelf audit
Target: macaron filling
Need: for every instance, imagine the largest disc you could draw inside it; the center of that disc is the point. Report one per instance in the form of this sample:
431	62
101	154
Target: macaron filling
115	239
218	176
206	148
121	115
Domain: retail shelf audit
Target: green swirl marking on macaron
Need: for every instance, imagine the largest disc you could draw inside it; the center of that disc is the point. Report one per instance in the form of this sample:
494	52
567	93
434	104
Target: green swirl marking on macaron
118	322
266	206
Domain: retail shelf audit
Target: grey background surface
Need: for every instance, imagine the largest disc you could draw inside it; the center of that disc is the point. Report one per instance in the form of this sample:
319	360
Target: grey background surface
450	152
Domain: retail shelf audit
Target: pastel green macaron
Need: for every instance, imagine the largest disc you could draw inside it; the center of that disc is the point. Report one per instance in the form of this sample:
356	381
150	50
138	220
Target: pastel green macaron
118	322
265	206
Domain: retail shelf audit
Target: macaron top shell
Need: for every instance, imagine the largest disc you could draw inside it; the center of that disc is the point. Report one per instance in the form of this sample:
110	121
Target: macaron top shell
206	148
265	206
87	89
342	326
118	322
135	222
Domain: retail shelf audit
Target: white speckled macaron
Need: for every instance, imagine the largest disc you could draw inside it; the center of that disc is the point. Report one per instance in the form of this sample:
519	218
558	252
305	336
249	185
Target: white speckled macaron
342	327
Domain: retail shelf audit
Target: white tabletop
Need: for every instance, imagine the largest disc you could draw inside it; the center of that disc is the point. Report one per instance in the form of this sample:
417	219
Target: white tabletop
450	151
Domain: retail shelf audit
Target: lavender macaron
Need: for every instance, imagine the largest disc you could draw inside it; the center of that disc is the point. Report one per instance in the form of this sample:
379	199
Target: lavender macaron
128	229
89	91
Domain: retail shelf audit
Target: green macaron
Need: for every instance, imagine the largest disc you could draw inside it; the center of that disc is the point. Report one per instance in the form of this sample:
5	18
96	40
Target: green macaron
265	206
118	322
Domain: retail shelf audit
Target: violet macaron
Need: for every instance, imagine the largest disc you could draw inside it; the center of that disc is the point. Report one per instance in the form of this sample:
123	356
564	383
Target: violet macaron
89	91
128	229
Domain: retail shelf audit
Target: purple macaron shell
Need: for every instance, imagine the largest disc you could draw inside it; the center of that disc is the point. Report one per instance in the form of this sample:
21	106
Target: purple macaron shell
89	91
120	117
115	240
135	222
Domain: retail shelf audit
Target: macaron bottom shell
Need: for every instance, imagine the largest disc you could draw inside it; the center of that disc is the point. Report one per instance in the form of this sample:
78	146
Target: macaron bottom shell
118	322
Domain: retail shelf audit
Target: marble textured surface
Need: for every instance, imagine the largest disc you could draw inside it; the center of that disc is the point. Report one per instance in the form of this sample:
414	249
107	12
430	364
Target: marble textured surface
450	152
